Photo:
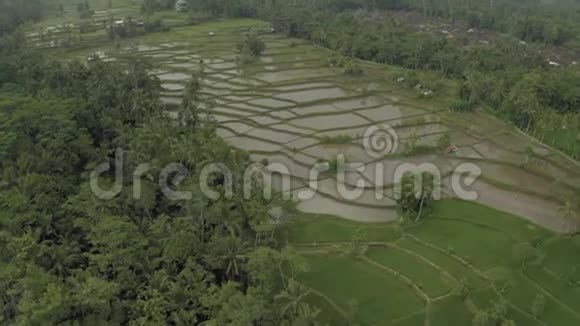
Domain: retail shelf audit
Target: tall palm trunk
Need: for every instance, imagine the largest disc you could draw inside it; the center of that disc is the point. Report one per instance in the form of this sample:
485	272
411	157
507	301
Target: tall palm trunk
420	208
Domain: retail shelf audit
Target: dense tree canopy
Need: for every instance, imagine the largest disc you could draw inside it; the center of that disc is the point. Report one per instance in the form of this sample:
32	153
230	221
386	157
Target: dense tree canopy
140	258
15	12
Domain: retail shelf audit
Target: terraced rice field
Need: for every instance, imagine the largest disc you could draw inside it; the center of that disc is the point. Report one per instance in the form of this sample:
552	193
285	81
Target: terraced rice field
412	275
289	105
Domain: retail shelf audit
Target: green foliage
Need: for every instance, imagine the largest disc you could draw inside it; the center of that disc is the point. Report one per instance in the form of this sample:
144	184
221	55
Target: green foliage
16	12
294	305
152	25
428	80
408	78
462	106
496	315
444	141
352	69
334	165
336	140
336	60
416	202
348	65
150	6
461	289
251	47
71	258
225	8
537	29
190	106
130	27
412	146
84	9
87	27
126	29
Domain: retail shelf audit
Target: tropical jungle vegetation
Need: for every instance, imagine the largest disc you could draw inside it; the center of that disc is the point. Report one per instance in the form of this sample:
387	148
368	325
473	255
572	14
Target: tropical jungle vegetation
69	257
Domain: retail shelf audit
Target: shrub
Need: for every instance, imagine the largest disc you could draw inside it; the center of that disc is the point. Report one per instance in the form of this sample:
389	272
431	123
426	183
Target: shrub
87	27
336	60
349	67
462	106
444	140
87	14
128	28
352	69
155	25
414	148
408	78
85	10
339	139
426	80
251	46
462	289
473	19
334	165
430	80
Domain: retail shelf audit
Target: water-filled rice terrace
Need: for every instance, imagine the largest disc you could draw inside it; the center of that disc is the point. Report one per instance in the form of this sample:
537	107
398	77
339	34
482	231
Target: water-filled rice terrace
286	106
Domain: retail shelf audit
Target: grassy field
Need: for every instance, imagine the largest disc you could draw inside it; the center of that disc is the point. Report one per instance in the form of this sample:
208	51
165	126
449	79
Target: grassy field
378	295
462	243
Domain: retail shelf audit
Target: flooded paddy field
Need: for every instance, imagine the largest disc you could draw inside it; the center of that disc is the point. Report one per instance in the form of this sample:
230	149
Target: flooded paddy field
291	103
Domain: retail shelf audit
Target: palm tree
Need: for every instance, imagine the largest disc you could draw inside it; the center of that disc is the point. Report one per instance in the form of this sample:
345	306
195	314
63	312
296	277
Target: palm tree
309	318
64	257
234	256
293	300
319	37
477	85
190	106
498	91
